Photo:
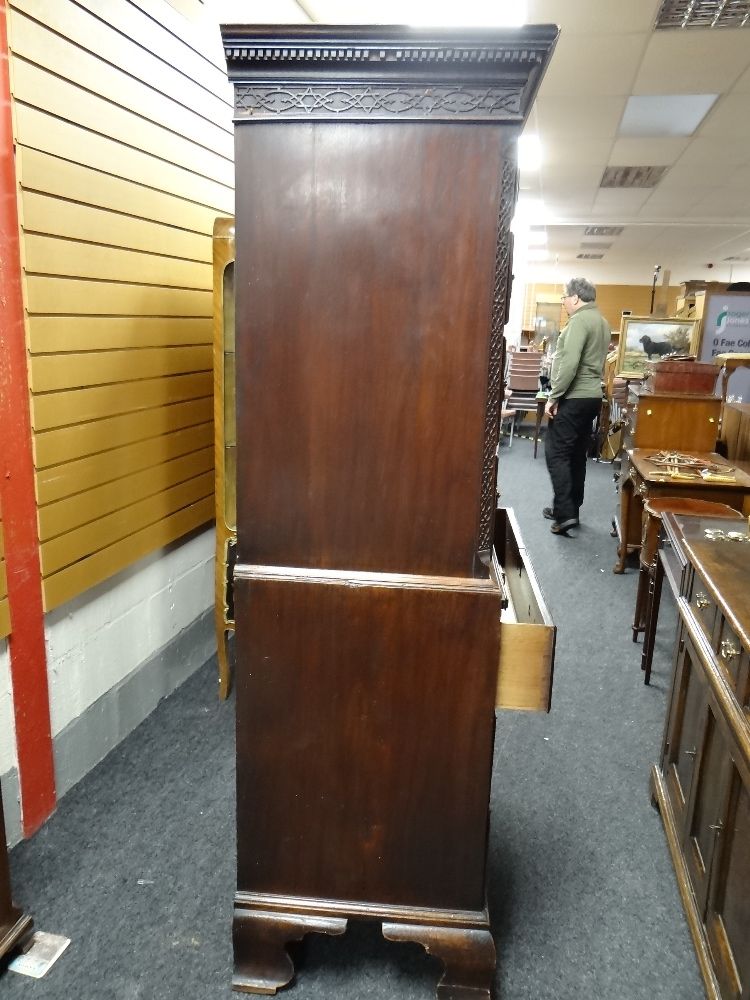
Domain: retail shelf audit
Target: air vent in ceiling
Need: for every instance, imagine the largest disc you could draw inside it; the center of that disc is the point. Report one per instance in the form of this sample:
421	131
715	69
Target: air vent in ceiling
632	177
703	14
589	256
738	259
595	246
603	230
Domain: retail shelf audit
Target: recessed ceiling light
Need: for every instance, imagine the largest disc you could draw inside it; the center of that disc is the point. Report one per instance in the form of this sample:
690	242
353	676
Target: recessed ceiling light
632	177
665	114
703	14
603	230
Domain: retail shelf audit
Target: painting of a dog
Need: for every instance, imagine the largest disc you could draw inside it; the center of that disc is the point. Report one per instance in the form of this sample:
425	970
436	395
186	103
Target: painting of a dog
644	339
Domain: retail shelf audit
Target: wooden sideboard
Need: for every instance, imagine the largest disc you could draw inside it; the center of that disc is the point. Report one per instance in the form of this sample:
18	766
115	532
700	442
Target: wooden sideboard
677	421
376	182
14	924
641	479
702	783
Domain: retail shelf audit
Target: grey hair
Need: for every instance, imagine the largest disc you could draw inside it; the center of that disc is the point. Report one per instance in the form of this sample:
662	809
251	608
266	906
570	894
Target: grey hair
582	288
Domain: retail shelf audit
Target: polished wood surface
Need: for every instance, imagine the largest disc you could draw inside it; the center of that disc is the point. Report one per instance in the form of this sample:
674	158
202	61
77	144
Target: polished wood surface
376	182
702	784
364	369
677	421
641	479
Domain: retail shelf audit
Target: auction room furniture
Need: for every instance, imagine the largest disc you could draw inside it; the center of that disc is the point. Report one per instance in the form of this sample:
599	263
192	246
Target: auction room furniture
14	925
735	431
702	782
678	421
375	185
225	444
651	574
641	480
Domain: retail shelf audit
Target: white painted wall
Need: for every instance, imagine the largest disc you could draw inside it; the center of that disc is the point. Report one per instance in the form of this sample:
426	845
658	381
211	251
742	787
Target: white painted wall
96	640
8	759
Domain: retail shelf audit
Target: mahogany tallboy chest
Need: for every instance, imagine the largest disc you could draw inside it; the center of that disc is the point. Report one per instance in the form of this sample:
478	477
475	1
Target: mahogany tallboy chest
375	186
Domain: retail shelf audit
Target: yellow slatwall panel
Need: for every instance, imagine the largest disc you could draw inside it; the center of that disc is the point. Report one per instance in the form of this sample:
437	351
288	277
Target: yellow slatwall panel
4	614
123	127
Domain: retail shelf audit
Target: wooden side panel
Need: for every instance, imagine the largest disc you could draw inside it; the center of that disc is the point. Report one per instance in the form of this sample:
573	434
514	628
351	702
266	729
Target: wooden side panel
384	791
385	370
124	146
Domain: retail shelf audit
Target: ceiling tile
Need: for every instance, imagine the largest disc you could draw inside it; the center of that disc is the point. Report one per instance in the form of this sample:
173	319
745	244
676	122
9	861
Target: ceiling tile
693	62
729	117
616	202
598	118
605	65
628	151
582	17
570	157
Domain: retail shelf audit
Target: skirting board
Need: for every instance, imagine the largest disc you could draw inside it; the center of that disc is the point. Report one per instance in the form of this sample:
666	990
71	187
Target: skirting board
87	740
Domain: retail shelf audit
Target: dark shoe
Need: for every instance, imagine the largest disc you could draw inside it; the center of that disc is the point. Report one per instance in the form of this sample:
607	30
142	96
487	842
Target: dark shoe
548	513
563	527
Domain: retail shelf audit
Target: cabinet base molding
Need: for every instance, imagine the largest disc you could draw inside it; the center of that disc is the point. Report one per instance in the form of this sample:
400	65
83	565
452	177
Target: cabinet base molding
265	924
695	924
14	935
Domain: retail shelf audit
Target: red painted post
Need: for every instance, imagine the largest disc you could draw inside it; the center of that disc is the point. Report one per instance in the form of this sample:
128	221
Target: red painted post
28	662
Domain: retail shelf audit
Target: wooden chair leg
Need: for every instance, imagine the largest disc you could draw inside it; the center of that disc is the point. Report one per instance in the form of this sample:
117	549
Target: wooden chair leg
641	603
652	617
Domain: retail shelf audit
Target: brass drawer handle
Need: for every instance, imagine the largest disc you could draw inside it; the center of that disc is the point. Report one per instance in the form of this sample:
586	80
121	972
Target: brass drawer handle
690	753
728	650
701	601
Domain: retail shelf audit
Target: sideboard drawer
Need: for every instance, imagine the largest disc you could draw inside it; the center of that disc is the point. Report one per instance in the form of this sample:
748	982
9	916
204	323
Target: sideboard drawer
703	607
729	652
527	633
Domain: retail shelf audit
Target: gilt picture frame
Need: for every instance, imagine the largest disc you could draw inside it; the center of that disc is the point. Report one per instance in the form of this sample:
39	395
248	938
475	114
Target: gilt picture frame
649	338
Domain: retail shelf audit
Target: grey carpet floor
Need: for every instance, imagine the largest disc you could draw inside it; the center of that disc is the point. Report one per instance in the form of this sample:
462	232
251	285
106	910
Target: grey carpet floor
137	864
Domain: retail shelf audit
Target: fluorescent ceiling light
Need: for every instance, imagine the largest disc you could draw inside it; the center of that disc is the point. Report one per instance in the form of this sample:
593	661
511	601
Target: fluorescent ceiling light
537	237
529	152
529	212
433	13
665	114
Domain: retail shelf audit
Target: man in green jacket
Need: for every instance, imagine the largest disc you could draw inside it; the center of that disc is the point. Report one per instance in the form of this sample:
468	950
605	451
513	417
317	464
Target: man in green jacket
574	401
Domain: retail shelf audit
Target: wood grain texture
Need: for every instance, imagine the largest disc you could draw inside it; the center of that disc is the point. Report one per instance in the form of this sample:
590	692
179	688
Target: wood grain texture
381	357
387	798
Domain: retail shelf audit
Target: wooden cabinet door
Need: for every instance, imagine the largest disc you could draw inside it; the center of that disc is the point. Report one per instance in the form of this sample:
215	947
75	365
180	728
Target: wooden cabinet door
707	792
687	717
728	911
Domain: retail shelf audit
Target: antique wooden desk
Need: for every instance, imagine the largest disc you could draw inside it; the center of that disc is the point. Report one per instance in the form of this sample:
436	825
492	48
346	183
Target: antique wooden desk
14	925
640	478
376	182
702	782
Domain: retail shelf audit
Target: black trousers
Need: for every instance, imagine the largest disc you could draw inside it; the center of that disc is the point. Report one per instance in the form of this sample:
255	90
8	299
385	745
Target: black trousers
565	448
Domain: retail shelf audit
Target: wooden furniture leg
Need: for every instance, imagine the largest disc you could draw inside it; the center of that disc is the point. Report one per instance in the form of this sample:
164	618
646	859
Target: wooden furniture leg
468	956
641	602
652	616
626	495
261	961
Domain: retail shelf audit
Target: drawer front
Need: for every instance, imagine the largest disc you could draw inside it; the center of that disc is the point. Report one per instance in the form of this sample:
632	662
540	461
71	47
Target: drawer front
703	607
527	633
729	652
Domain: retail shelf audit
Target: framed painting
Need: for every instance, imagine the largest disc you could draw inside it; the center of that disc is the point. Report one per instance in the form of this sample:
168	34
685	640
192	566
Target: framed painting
649	338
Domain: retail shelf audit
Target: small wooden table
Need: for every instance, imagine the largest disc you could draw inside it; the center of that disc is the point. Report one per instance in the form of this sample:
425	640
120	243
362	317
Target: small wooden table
641	479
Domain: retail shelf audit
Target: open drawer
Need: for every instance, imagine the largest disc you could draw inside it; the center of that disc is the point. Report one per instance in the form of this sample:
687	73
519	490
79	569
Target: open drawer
527	633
